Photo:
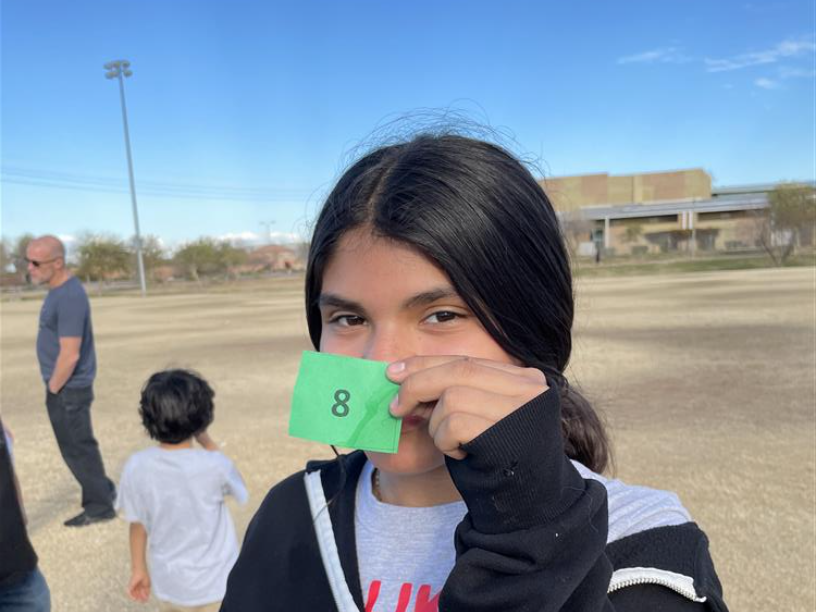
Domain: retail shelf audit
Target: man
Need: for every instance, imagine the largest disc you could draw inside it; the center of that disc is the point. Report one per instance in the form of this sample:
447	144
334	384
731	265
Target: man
65	350
22	586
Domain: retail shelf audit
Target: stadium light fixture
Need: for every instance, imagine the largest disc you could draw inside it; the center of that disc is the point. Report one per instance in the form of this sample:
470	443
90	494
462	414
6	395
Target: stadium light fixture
118	69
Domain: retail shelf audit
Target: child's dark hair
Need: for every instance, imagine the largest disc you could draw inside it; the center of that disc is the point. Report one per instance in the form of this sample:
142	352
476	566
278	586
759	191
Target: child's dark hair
176	405
478	213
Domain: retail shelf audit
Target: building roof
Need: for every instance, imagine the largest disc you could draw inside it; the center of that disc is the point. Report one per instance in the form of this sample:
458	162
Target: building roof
743	189
724	203
752	188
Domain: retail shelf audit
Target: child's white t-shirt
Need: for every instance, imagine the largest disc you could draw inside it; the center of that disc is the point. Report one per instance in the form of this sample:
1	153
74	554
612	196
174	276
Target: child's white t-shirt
178	495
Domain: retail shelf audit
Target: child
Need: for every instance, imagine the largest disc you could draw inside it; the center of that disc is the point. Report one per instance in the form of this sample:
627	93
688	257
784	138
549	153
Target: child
173	497
444	257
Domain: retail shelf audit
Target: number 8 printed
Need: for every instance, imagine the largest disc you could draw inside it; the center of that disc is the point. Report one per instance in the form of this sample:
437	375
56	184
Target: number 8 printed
340	408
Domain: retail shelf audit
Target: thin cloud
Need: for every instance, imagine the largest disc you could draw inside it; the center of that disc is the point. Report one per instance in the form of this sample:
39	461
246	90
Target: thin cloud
766	83
284	238
239	237
663	55
786	49
765	8
248	238
796	73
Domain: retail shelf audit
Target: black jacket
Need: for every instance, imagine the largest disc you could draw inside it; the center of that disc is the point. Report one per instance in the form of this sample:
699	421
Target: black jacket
534	537
17	557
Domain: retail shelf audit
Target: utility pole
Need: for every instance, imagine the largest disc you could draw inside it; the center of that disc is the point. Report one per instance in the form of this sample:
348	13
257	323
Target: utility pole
118	69
268	225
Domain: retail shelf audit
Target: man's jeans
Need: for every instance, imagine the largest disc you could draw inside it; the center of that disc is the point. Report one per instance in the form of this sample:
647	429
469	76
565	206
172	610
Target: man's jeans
70	415
29	595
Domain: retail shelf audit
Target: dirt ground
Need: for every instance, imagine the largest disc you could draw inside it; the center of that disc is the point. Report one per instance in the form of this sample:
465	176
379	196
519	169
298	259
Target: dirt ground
706	379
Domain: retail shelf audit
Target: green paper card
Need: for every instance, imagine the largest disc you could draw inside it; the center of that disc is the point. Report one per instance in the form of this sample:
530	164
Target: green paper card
344	401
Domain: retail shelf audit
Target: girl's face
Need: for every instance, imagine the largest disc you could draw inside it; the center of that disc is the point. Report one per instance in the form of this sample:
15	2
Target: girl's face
385	301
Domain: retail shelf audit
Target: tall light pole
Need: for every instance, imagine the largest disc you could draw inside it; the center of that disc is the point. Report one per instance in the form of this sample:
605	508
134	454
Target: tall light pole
118	69
268	225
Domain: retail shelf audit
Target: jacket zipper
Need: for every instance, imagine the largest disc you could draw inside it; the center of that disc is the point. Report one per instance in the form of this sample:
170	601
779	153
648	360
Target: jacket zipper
631	576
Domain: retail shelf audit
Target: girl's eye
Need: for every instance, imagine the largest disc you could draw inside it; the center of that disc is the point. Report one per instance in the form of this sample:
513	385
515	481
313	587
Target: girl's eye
347	320
443	316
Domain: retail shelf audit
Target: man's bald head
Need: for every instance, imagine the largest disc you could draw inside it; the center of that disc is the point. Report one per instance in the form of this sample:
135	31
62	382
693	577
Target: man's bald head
46	261
49	245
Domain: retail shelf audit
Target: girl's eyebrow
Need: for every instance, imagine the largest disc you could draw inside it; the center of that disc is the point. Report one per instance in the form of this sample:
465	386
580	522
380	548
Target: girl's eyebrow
420	299
429	297
334	300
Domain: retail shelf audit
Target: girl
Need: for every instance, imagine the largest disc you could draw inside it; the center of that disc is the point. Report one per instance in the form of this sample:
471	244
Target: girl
443	257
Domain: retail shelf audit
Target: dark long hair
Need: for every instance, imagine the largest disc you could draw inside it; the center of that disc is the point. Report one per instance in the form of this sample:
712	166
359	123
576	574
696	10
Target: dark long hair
478	213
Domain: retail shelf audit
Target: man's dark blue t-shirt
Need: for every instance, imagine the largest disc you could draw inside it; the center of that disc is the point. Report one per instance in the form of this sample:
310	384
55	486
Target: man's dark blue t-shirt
65	313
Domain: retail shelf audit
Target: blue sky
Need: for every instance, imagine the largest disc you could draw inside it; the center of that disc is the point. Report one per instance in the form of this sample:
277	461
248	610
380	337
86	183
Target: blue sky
242	113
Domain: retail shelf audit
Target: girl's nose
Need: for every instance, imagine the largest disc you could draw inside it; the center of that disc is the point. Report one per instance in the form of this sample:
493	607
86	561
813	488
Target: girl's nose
388	345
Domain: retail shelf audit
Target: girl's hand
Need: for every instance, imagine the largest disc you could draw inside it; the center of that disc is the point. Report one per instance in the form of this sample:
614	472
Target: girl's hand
461	396
139	587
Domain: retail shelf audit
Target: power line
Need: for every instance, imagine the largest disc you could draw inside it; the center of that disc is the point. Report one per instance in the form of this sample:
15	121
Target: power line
100	184
64	176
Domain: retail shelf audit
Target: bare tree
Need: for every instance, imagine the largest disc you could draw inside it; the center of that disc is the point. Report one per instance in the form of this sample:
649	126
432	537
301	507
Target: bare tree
5	256
6	264
198	257
301	250
207	256
763	235
18	255
231	257
788	221
792	209
576	229
102	257
153	254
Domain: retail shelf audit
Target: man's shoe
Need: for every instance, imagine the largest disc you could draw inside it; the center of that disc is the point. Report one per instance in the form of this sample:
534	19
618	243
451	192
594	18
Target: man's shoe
83	519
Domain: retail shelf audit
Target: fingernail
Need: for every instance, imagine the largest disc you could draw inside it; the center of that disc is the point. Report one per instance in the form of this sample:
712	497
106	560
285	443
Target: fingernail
394	403
396	367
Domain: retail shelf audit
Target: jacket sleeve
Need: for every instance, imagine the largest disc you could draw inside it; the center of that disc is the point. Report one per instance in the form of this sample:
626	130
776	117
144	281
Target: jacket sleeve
535	534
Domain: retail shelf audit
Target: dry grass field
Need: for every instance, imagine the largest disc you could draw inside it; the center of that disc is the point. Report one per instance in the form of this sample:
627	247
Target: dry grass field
706	380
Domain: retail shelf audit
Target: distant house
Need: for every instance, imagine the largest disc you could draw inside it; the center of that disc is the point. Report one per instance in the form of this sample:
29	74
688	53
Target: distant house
273	258
656	212
162	273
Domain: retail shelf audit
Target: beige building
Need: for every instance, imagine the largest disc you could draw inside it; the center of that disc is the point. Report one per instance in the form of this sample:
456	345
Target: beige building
572	192
655	212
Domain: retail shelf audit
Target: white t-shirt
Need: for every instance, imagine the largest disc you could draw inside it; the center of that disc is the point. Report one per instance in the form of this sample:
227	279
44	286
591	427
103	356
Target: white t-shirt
178	495
406	554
